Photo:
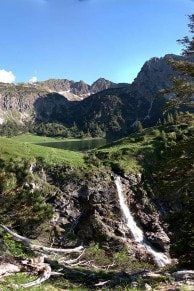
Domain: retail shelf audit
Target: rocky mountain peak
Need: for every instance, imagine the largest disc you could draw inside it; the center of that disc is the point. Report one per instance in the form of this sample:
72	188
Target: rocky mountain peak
80	88
102	84
75	90
155	75
155	70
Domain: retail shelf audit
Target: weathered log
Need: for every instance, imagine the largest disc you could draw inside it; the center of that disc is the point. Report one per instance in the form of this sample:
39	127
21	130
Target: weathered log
152	275
35	247
7	269
45	275
100	284
36	264
184	274
18	237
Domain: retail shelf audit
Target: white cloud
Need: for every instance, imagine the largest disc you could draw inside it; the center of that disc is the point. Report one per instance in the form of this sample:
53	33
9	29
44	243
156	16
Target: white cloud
33	79
6	77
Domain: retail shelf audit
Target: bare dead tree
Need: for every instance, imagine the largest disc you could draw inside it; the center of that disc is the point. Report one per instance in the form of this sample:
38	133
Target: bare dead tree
37	264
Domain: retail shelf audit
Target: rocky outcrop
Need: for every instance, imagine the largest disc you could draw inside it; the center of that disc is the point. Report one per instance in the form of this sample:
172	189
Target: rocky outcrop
88	207
103	84
46	101
76	90
17	101
155	75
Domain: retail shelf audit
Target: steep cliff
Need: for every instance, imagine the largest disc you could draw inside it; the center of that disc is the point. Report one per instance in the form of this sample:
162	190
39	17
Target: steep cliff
17	101
87	205
76	90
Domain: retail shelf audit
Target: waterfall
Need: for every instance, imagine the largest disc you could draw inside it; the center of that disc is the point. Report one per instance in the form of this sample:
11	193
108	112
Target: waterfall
160	259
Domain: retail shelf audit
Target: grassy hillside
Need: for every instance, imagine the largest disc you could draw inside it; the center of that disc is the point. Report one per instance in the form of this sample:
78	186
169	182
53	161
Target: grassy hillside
126	154
142	149
131	154
11	148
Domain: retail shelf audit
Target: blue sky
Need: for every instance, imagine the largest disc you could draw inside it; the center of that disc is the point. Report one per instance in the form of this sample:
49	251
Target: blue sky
87	39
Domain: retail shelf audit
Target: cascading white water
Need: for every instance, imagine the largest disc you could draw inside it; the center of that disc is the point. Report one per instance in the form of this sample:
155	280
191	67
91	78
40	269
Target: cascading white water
135	230
160	259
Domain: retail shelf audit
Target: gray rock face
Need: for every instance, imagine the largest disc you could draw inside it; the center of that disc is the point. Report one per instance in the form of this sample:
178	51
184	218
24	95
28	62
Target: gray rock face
17	101
155	75
103	84
56	85
76	90
89	208
43	100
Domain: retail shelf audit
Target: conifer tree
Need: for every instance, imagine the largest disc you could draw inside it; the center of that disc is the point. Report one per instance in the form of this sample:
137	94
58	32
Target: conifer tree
139	126
182	90
170	118
176	116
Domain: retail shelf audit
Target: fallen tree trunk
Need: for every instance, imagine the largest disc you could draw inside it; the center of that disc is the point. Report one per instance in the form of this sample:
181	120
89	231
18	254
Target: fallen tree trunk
184	274
36	264
34	247
18	237
43	271
7	269
45	275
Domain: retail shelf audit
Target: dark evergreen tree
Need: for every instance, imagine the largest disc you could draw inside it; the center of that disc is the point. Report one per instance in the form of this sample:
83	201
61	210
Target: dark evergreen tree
170	118
139	126
187	42
22	207
182	90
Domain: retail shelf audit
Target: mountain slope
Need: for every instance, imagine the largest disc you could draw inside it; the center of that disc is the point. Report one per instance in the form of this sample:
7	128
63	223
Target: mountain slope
76	90
113	112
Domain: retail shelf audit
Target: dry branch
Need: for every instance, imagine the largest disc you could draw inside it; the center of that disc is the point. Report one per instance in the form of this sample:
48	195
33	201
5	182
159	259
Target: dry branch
184	274
16	236
37	264
35	247
100	284
7	269
45	275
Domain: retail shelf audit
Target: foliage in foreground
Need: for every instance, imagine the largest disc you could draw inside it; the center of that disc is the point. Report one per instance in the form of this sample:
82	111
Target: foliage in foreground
137	151
21	206
173	175
182	89
100	266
